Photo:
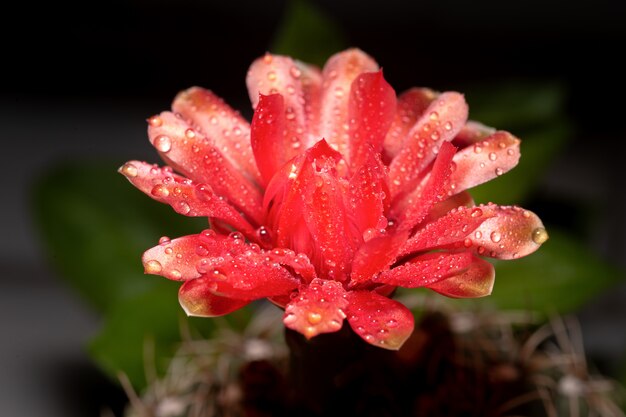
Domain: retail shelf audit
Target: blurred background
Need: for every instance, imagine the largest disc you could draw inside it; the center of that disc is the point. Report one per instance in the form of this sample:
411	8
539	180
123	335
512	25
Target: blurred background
80	78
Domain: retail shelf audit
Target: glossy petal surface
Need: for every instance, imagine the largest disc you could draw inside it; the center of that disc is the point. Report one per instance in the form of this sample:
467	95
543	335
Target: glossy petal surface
476	281
379	320
197	300
426	270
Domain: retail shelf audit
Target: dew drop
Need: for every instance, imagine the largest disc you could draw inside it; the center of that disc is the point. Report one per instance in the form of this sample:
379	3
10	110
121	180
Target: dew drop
476	212
164	240
183	208
447	126
467	242
495	237
169	251
540	235
129	170
155	121
163	143
478	234
477	149
493	156
160	190
481	250
271	76
175	273
434	135
295	72
314	318
433	115
190	133
499	171
201	250
153	267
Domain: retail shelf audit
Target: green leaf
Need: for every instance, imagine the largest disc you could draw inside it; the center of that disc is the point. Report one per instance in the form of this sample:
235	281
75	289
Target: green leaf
307	34
560	277
96	226
538	149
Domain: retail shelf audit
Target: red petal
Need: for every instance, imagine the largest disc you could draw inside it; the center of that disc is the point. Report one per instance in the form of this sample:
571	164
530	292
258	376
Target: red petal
300	86
503	232
444	207
471	133
368	197
440	123
180	259
318	308
338	74
182	194
375	256
249	276
196	157
196	299
325	217
484	161
411	105
476	281
420	202
426	270
378	320
371	109
298	263
223	126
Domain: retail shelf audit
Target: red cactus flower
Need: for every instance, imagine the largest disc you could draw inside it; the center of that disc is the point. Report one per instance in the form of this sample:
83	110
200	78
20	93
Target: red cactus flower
335	194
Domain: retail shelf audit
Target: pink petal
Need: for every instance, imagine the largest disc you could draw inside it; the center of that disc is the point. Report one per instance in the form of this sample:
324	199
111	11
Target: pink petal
180	259
484	161
374	256
444	207
185	196
426	270
196	157
222	125
476	281
419	203
411	105
338	74
471	133
298	263
196	299
371	109
300	86
368	197
504	232
443	119
318	308
378	320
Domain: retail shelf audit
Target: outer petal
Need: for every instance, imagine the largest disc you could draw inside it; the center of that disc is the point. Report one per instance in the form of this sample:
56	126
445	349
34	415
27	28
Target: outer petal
419	203
221	124
196	299
484	161
476	281
444	207
440	123
427	269
411	105
298	263
338	74
182	194
471	133
503	232
371	109
378	320
181	258
299	84
198	158
318	308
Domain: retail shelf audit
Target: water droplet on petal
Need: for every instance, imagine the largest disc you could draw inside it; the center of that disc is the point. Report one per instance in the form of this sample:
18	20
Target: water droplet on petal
190	133
155	121
153	267
493	156
499	171
540	235
314	318
164	240
467	242
183	208
160	190
495	237
163	143
447	126
295	72
129	170
476	212
271	76
175	273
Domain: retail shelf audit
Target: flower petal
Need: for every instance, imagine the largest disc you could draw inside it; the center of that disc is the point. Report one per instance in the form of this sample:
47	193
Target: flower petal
379	320
471	133
196	299
338	74
185	196
318	308
504	232
426	269
443	119
225	127
196	157
371	109
476	281
179	259
411	105
298	263
374	256
484	161
418	204
444	207
300	86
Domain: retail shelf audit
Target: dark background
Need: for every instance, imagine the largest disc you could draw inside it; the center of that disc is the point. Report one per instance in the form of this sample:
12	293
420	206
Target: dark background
80	78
